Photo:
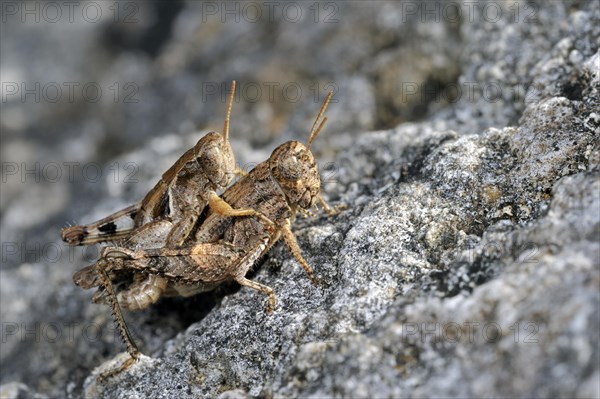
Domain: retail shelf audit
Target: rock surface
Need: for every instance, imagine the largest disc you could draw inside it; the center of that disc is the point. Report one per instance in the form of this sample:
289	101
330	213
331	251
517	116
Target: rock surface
466	264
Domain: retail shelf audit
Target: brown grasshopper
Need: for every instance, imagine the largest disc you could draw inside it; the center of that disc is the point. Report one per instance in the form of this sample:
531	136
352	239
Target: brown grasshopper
180	196
225	248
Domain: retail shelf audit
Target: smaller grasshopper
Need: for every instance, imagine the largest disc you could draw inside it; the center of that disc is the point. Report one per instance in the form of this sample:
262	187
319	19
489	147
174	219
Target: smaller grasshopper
181	194
225	248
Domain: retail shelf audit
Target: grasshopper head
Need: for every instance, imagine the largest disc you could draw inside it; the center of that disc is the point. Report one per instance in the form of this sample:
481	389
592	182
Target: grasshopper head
294	167
295	170
215	159
213	152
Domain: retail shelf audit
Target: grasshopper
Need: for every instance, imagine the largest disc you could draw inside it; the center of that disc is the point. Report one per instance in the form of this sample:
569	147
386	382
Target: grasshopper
224	248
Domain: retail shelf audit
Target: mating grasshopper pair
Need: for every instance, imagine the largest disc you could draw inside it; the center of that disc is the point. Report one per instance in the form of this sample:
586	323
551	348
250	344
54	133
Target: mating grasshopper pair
168	245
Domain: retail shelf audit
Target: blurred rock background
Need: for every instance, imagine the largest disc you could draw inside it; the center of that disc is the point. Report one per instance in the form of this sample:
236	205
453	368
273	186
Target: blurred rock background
463	136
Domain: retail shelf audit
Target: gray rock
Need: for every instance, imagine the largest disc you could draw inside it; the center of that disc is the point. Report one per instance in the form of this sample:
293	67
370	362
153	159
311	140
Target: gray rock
467	261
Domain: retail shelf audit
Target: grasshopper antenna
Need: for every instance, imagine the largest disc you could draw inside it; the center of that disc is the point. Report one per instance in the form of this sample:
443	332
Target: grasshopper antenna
229	105
318	124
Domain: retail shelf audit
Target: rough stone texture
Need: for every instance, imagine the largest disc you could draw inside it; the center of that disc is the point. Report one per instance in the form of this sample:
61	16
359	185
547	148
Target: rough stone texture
467	263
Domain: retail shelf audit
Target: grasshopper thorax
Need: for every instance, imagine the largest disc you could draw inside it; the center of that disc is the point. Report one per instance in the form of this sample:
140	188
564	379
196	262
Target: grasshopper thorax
294	168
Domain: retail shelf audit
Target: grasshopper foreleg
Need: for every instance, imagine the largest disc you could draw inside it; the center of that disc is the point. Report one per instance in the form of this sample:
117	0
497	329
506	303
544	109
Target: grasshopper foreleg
290	241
